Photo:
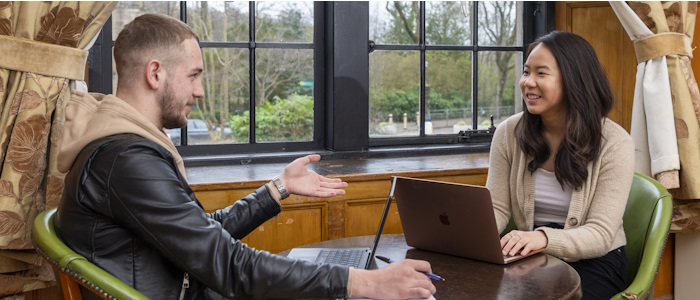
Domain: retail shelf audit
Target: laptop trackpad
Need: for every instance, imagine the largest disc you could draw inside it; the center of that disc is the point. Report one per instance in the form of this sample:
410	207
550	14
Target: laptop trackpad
304	254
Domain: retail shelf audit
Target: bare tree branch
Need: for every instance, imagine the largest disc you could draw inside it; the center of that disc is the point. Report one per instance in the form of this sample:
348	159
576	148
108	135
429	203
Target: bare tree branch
406	25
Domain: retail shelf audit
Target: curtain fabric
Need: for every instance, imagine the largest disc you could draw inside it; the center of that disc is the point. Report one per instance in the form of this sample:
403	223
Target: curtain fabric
666	105
42	51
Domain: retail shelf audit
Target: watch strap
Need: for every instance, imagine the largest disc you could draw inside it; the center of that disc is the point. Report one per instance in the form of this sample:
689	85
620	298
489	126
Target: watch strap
280	187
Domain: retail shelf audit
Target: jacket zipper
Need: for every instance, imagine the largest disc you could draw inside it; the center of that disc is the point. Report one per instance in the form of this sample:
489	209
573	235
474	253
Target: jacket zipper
185	286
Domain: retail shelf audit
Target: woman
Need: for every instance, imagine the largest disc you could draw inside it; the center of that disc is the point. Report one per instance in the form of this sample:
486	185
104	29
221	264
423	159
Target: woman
562	168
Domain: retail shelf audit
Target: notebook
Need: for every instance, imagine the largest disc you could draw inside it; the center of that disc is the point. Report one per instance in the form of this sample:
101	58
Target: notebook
360	258
450	218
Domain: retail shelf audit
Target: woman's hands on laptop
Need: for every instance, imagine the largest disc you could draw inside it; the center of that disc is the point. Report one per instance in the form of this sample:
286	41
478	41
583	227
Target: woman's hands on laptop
523	242
400	280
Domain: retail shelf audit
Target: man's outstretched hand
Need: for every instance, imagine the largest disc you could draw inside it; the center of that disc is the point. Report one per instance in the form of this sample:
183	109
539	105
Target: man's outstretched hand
301	181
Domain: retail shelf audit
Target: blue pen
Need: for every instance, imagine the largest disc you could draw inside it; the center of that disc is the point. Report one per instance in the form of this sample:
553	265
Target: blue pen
430	275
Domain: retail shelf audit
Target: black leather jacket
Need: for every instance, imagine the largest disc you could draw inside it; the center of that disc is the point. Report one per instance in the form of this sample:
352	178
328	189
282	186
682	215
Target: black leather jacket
128	210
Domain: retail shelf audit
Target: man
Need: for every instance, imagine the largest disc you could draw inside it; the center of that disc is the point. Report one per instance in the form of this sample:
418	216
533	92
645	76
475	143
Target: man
127	206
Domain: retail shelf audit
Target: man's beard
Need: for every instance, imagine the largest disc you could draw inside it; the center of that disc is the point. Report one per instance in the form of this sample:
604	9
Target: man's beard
171	110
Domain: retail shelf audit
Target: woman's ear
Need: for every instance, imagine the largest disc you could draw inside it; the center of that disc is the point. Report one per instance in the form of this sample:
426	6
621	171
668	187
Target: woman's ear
155	74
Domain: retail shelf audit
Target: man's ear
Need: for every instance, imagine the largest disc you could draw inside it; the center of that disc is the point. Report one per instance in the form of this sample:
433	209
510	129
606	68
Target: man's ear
155	74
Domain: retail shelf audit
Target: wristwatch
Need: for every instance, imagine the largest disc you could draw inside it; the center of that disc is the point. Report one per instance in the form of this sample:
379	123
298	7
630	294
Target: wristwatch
280	187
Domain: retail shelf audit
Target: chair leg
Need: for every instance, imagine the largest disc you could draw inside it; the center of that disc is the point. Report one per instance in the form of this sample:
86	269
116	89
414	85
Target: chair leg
70	287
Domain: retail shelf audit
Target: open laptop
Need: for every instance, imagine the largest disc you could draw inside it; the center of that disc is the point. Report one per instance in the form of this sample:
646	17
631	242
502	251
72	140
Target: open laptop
360	258
450	218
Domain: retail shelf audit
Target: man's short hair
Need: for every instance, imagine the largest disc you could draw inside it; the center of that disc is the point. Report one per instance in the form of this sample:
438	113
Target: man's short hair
149	36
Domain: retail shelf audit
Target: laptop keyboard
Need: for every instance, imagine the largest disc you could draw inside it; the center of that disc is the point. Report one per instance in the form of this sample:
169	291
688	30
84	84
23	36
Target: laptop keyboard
347	257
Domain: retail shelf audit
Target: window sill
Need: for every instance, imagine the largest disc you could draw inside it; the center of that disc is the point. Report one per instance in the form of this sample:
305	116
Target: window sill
256	169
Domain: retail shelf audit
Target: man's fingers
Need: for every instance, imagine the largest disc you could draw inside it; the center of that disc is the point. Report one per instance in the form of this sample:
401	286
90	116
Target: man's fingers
326	179
334	185
419	265
421	292
329	192
313	158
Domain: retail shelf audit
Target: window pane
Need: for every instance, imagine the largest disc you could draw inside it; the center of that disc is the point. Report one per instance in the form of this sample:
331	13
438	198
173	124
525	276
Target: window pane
284	95
217	116
394	22
394	78
499	93
448	91
127	11
291	22
500	23
219	21
448	23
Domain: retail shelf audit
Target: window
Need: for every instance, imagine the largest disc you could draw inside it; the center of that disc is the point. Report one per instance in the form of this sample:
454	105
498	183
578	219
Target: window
342	76
274	37
439	67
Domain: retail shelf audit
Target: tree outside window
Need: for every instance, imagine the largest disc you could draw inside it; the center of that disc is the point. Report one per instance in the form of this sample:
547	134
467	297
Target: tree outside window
452	61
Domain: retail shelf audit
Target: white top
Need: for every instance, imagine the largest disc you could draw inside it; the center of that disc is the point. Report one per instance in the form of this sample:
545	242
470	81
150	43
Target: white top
551	201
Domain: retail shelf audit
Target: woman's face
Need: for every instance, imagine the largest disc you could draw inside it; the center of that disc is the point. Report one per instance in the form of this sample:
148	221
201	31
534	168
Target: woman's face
542	85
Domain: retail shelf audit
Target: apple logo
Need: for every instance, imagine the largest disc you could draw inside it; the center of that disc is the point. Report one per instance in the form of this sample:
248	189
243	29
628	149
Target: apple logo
444	219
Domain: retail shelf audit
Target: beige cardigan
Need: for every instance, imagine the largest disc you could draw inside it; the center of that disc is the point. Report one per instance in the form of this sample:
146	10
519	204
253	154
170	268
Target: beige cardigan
594	223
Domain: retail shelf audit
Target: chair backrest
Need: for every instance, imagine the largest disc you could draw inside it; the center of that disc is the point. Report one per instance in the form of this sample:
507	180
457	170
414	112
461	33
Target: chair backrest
73	269
646	221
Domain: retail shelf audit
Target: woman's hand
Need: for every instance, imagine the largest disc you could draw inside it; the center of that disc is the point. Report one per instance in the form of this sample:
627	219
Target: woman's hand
523	242
301	181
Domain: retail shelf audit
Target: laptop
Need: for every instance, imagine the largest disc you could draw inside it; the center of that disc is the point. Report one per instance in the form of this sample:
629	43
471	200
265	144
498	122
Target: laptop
450	218
360	258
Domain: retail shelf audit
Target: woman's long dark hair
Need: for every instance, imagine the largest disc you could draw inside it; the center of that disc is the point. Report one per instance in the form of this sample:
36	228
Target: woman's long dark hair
588	99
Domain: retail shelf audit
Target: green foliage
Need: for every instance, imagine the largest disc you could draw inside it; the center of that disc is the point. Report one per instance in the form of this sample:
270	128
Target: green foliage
446	23
278	120
398	102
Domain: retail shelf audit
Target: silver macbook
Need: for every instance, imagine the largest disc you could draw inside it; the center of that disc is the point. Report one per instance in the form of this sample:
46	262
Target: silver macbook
450	218
360	258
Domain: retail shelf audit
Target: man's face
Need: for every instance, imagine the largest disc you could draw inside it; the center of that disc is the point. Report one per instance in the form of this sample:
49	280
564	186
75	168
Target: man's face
182	86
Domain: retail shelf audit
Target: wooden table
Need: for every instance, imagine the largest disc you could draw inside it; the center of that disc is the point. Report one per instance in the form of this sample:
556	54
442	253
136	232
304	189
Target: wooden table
538	277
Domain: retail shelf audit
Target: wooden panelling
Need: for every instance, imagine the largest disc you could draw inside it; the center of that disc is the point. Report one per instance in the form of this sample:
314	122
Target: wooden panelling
663	285
296	225
363	217
308	219
598	24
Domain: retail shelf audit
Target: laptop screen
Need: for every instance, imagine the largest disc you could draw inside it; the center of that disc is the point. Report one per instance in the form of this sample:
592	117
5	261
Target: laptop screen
382	221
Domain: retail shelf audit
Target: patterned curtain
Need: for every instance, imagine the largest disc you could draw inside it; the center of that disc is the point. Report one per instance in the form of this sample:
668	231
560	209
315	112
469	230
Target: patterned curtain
666	109
42	52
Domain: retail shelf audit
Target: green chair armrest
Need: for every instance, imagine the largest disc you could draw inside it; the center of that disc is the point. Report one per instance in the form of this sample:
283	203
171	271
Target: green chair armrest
657	234
46	239
105	281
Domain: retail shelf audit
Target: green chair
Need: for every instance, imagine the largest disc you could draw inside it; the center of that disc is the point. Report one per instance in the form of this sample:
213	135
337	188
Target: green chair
75	273
646	221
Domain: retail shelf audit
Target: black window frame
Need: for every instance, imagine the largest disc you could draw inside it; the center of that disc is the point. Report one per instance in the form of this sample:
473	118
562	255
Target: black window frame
423	47
341	83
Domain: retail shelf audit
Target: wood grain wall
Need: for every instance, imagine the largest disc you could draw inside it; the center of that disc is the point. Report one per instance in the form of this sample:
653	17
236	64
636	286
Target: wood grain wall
597	23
